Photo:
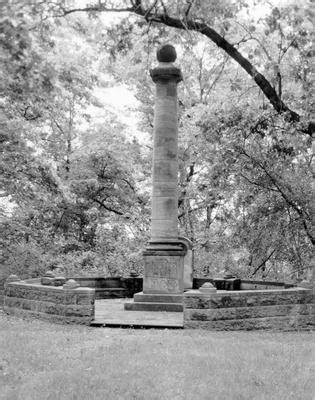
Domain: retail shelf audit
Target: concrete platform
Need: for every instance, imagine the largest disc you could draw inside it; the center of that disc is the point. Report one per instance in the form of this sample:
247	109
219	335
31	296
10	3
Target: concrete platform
111	313
156	302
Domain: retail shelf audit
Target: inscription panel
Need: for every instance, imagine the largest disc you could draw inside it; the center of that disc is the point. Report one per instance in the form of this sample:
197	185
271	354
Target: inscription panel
161	285
163	274
162	267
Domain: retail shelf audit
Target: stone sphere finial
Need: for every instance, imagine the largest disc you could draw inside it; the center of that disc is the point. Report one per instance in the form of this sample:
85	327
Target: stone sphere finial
166	53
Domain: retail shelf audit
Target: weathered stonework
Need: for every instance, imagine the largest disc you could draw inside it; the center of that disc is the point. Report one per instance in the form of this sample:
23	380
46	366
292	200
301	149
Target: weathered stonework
31	299
164	274
164	257
283	309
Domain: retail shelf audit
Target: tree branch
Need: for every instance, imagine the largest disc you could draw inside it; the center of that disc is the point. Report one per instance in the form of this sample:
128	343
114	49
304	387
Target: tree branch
99	8
258	184
221	42
285	196
215	37
107	207
263	263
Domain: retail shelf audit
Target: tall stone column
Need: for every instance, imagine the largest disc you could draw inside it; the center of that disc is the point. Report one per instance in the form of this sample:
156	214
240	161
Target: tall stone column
164	222
164	256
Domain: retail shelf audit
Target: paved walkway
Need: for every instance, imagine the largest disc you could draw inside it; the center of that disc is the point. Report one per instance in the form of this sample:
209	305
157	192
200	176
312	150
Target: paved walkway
111	313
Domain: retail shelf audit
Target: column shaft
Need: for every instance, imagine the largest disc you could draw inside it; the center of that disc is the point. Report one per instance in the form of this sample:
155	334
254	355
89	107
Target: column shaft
164	224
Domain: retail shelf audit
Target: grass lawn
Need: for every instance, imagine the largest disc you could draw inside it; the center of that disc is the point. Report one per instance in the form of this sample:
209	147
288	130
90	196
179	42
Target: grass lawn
42	361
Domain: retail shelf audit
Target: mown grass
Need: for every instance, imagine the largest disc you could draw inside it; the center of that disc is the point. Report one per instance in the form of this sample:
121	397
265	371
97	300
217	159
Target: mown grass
43	361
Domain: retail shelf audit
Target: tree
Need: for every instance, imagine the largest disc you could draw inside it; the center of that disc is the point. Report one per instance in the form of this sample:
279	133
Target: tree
51	157
82	184
199	16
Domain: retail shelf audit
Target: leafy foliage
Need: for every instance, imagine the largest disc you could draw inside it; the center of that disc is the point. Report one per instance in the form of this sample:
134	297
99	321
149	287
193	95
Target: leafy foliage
79	184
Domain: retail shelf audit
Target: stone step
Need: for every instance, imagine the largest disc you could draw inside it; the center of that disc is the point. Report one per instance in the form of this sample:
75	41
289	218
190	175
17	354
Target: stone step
110	293
120	323
146	306
158	298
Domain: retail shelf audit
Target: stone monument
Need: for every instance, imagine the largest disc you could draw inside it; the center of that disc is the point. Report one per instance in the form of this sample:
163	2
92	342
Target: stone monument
164	257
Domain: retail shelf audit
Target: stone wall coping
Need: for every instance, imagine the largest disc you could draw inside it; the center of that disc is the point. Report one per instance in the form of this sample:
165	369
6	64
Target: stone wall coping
262	282
37	286
88	278
32	280
197	293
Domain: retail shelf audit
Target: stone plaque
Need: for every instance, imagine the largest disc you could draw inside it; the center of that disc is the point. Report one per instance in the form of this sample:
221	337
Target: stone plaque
163	274
162	266
161	285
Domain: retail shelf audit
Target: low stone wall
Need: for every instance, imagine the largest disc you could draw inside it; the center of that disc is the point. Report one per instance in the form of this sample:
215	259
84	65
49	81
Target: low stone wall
261	285
240	284
281	309
98	281
57	304
112	287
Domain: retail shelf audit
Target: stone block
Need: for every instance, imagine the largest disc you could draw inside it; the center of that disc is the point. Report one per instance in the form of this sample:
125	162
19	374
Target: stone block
164	229
82	320
163	266
51	308
50	302
299	322
69	297
250	298
286	309
158	298
165	147
165	108
164	208
78	311
165	189
165	171
217	314
161	285
27	304
87	298
260	285
12	302
163	274
45	307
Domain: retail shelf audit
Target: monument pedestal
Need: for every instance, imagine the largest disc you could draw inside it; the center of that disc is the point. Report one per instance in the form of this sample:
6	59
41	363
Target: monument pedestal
163	281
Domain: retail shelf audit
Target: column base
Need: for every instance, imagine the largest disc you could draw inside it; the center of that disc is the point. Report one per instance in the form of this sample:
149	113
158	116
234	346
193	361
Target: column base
163	281
164	268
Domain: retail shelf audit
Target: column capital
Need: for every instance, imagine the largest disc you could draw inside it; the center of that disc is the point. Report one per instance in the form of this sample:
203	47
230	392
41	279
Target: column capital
166	73
166	70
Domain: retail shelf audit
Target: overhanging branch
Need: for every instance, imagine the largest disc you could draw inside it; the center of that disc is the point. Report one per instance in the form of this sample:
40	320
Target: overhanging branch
184	23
